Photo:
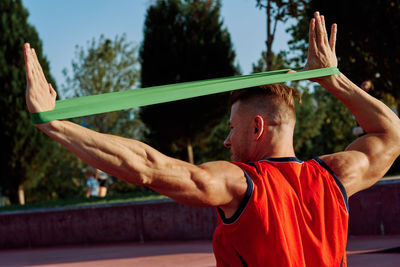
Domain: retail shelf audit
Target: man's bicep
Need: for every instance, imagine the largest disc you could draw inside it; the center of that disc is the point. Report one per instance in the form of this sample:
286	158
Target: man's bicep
349	167
363	162
210	184
381	150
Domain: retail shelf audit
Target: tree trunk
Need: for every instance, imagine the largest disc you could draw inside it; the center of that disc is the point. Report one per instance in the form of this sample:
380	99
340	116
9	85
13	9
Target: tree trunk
21	195
189	151
268	59
268	42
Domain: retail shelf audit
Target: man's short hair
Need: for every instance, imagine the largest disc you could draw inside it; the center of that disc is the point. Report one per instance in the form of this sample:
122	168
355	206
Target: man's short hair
278	99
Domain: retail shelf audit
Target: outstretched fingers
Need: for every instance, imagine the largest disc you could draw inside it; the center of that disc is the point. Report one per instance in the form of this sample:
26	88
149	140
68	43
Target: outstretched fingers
321	50
40	95
33	71
37	66
332	39
324	32
26	49
320	29
312	46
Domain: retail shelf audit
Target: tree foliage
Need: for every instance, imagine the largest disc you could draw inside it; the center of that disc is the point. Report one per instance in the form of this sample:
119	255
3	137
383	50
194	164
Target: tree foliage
279	61
276	11
212	147
105	66
184	41
64	178
324	125
368	46
25	150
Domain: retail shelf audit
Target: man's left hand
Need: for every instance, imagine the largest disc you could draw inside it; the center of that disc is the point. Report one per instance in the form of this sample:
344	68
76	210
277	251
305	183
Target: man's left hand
40	95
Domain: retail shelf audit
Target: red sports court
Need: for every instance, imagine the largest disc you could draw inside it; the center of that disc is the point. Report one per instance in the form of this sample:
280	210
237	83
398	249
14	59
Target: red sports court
69	237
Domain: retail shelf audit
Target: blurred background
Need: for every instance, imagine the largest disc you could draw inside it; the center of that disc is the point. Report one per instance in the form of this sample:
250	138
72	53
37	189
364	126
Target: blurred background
97	46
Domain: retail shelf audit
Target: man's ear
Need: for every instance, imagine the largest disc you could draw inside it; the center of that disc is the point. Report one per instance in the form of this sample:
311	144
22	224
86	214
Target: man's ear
258	127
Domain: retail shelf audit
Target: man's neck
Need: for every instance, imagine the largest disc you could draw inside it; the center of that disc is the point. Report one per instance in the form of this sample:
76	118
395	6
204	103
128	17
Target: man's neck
279	153
278	145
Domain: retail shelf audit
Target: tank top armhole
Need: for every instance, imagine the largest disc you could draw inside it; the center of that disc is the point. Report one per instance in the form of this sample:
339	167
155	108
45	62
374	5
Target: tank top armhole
242	205
336	179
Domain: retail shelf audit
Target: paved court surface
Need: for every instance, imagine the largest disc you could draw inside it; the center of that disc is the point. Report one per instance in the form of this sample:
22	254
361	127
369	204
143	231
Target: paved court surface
362	251
382	251
191	253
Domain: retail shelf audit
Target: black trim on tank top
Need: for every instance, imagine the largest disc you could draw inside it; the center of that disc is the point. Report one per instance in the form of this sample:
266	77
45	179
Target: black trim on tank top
241	258
284	159
243	203
337	181
254	165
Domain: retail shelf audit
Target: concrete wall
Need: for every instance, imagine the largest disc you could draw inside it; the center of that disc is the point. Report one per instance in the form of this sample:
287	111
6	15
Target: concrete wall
146	221
374	211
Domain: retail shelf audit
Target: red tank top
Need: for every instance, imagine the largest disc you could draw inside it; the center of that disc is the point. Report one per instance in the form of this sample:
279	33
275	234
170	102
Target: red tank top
294	213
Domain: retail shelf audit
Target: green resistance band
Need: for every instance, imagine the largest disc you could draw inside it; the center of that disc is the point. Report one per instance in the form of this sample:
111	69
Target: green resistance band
95	104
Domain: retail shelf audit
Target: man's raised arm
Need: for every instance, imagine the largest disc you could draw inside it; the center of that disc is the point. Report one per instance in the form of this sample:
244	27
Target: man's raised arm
211	184
369	157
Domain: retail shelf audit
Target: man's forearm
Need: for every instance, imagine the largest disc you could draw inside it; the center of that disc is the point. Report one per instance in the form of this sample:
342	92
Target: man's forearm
109	153
372	115
138	163
369	157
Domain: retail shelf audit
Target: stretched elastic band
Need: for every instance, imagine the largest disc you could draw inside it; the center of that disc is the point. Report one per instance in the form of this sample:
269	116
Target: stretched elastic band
95	104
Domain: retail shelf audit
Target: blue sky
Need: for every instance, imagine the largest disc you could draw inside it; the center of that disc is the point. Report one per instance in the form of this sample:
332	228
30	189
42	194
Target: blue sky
63	24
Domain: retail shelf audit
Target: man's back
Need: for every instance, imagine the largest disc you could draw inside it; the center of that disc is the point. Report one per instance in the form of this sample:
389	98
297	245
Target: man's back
294	214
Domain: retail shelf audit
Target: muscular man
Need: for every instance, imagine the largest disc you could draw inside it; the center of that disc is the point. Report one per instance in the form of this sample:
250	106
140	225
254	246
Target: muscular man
274	210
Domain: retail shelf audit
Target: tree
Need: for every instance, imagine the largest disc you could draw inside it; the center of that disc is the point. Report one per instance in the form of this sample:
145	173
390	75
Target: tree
276	11
324	124
278	62
25	150
184	41
367	44
63	178
212	146
106	66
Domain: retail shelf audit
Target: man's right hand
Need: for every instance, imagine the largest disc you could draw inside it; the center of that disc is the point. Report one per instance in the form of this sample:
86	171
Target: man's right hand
321	52
40	95
369	157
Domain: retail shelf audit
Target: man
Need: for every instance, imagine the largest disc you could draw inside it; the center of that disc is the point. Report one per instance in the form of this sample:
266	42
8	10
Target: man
276	210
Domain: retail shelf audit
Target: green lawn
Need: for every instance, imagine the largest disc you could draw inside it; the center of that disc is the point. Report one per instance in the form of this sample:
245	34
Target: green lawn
137	196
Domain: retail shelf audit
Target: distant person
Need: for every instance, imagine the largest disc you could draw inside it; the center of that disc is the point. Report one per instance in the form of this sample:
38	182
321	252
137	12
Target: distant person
92	184
102	178
367	86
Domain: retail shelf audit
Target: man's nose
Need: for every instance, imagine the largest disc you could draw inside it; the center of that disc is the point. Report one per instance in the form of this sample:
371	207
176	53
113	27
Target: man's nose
227	143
